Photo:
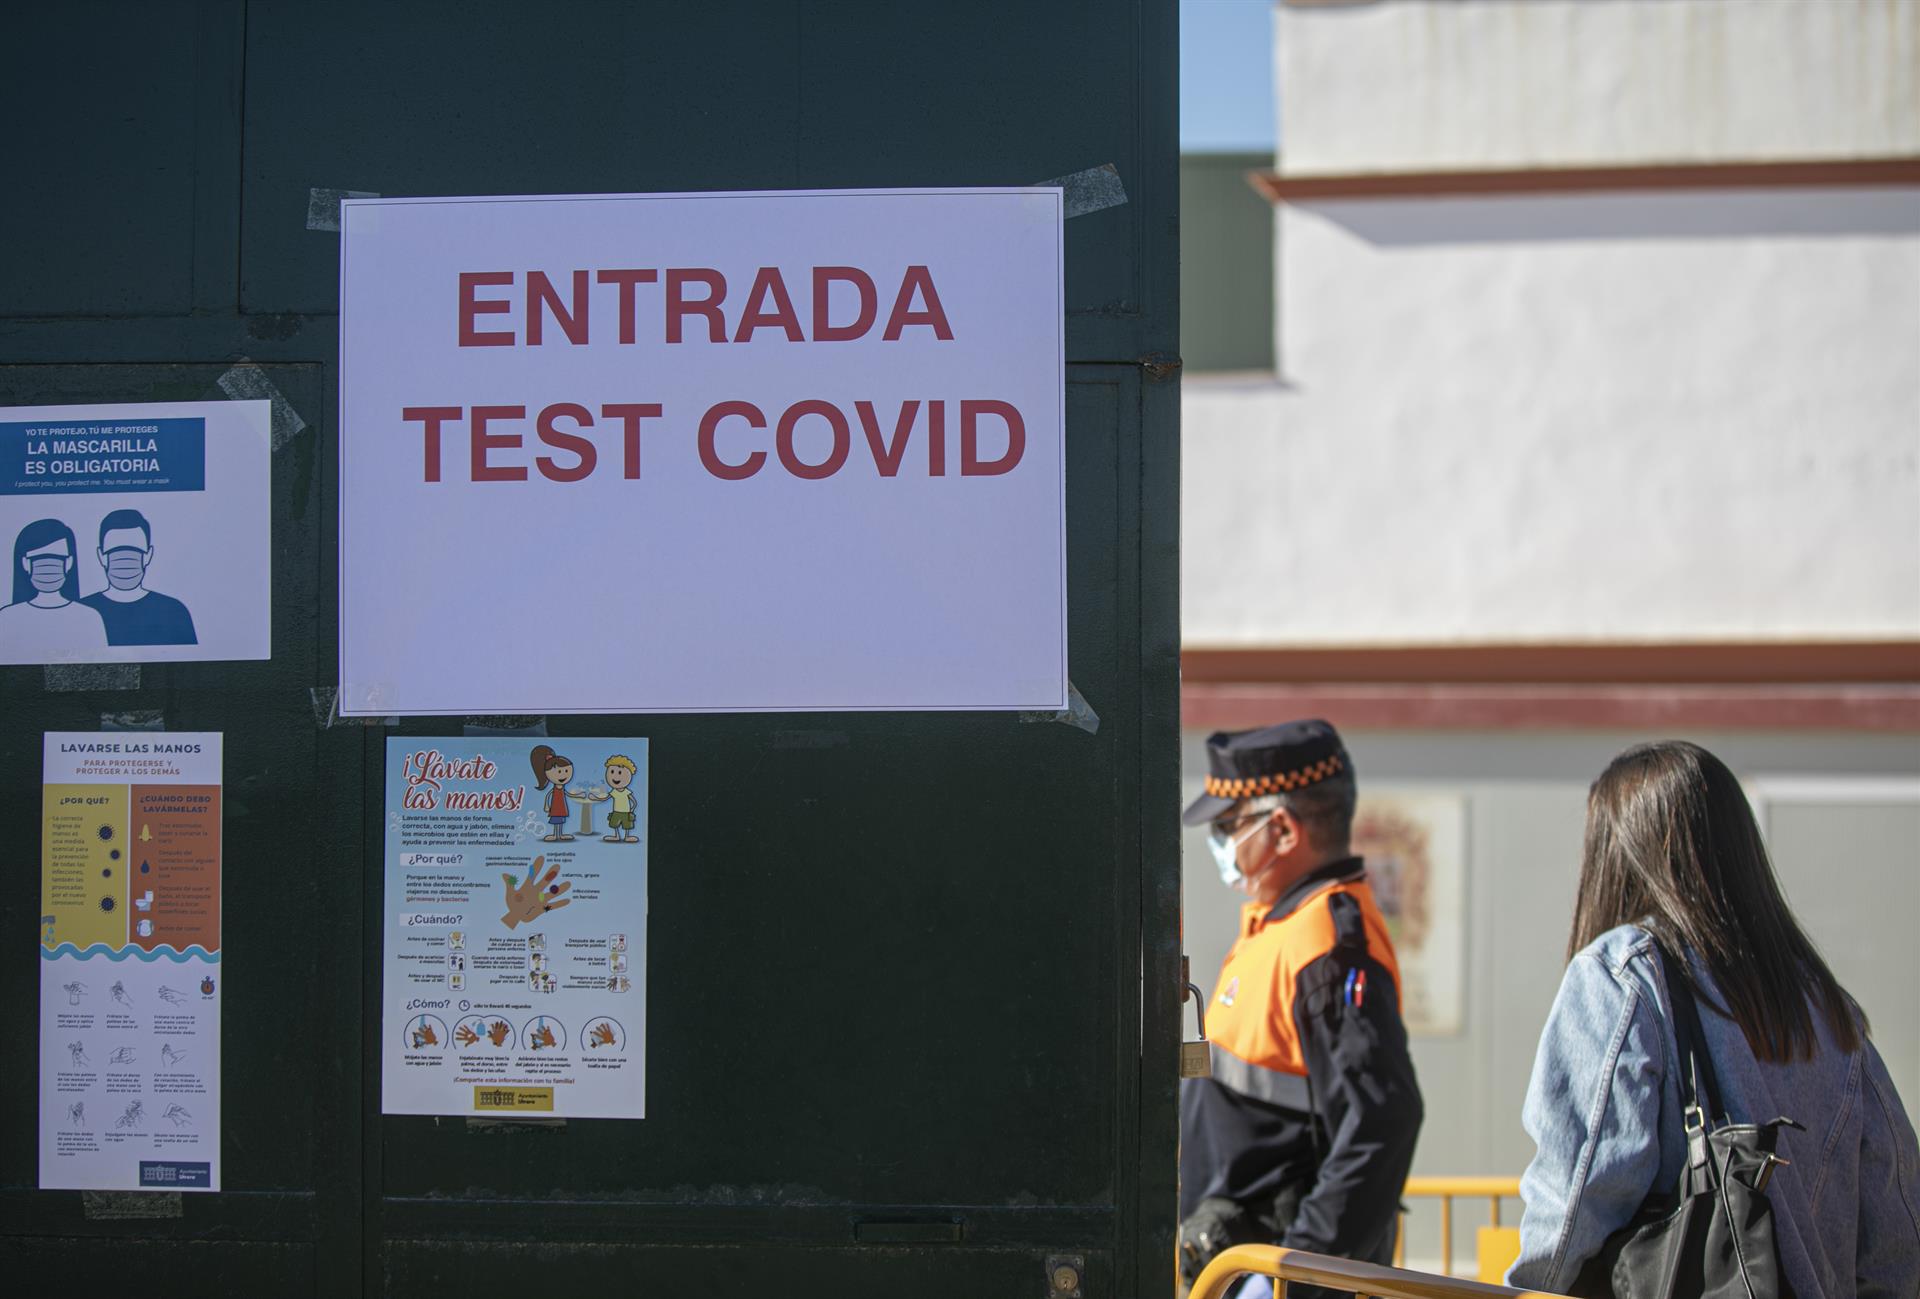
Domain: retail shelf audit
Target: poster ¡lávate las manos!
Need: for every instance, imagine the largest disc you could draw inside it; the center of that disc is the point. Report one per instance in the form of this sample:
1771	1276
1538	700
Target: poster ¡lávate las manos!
514	977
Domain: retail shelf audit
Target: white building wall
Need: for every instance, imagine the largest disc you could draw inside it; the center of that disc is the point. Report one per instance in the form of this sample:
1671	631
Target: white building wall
1617	417
1642	416
1400	86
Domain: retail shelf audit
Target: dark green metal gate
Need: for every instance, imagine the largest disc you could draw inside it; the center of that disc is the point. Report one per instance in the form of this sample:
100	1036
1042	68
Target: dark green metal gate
912	987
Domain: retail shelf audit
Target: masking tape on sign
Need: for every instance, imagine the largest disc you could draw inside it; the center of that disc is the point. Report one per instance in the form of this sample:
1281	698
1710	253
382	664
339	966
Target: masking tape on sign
137	719
248	382
508	726
68	677
326	710
323	206
1078	713
1093	190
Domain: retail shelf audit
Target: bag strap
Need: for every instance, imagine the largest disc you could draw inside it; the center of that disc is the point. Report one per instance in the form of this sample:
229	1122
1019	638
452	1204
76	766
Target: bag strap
1700	1087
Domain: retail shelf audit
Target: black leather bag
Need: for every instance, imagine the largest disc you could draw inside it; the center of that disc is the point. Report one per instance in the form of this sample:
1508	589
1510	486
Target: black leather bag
1713	1237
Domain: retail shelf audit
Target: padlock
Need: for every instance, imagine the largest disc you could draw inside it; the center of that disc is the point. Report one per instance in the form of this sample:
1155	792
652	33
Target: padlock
1196	1058
1196	1061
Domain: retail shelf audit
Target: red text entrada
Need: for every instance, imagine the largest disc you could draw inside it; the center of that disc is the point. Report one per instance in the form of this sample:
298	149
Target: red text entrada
811	438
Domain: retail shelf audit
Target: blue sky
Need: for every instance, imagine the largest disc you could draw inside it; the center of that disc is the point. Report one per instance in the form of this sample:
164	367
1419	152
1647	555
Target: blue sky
1226	75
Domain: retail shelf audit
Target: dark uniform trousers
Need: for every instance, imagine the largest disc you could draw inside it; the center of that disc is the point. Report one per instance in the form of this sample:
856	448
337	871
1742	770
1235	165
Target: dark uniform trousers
1304	1135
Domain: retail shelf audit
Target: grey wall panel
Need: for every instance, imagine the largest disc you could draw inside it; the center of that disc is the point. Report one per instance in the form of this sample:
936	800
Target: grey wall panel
1226	263
1851	870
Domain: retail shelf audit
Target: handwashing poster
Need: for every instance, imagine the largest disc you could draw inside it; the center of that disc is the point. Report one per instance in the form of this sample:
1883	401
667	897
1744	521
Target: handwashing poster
136	534
514	977
130	968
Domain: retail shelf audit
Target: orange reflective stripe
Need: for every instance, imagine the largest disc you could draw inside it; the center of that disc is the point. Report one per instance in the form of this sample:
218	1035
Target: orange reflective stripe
1275	782
1250	1019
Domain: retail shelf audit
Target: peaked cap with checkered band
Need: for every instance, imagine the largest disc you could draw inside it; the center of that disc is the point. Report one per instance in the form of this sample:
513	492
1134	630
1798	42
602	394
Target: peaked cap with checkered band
1269	760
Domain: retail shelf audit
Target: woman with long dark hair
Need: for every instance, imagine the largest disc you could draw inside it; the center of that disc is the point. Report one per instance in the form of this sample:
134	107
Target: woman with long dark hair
1673	856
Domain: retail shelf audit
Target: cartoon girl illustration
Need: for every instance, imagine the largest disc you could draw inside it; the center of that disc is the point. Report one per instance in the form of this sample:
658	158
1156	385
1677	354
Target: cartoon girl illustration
46	621
550	768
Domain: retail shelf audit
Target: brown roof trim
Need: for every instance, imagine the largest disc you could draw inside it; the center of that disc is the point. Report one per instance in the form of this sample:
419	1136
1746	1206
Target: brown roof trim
1733	663
1501	708
1276	187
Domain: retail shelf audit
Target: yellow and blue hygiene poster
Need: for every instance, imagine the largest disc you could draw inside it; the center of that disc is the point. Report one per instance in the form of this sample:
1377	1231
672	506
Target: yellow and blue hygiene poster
514	977
130	974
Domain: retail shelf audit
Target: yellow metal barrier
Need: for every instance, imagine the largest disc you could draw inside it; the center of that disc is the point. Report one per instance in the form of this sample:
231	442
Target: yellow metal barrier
1498	1245
1368	1280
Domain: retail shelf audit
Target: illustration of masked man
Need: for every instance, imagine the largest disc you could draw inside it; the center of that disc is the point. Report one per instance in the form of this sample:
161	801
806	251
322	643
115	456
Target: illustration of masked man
133	614
46	622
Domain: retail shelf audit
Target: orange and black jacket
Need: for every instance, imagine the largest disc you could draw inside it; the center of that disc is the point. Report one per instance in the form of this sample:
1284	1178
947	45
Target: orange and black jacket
1313	1103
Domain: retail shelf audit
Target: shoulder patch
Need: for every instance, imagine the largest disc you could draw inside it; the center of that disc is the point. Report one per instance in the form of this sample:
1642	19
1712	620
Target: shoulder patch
1349	926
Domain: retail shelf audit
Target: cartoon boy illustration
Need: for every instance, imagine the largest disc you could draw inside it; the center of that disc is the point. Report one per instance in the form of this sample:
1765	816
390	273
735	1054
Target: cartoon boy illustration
620	804
133	614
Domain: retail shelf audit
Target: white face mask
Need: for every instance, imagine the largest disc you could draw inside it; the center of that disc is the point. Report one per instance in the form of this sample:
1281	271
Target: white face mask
47	572
125	569
1226	852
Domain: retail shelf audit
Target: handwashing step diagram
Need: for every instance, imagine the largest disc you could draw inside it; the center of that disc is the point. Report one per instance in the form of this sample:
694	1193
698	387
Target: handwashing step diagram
130	973
515	927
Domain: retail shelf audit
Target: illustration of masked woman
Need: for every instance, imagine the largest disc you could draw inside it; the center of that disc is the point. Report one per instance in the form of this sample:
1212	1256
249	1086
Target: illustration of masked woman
550	768
46	621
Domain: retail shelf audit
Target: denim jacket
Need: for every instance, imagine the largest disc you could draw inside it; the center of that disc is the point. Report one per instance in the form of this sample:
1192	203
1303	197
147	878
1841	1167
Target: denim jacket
1604	1109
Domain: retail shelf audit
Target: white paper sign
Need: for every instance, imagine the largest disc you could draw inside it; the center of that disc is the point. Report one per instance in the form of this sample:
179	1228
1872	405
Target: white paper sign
130	972
702	452
136	534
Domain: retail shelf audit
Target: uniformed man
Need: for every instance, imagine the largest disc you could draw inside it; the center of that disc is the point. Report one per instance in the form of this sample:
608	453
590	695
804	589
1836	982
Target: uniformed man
1304	1134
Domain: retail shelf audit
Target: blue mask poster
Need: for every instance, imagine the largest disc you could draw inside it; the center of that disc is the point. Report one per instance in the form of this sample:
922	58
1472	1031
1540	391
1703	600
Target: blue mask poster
136	533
